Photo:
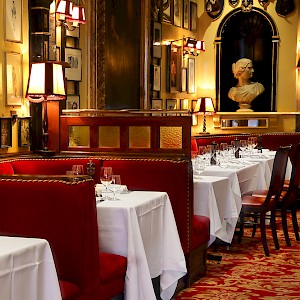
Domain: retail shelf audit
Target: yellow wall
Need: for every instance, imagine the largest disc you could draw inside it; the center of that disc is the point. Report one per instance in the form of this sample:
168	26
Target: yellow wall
5	46
287	83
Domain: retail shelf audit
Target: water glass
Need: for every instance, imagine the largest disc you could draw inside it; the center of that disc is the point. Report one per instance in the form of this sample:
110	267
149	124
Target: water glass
115	186
78	169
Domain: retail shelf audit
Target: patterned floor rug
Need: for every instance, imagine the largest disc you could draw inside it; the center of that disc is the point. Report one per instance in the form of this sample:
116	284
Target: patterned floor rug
246	273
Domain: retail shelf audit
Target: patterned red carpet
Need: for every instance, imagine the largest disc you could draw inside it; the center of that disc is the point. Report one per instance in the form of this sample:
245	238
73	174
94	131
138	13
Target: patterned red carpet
246	273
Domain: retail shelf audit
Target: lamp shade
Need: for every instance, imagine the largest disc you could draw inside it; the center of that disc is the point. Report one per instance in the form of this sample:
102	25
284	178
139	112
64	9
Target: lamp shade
78	15
204	105
46	80
64	8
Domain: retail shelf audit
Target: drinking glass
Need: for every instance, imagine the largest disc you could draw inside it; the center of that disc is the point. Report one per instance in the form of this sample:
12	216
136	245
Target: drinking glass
78	169
115	186
106	178
243	147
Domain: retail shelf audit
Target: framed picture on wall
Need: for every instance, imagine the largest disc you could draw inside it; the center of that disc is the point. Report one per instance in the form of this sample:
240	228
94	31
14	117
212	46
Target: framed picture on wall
13	20
186	14
178	13
184	104
24	131
73	102
156	40
183	79
173	68
171	104
156	78
156	103
73	58
14	78
193	16
191	75
6	132
167	11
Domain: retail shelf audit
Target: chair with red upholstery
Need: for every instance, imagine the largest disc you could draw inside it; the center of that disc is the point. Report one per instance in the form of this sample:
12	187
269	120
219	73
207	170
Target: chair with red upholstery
258	203
63	212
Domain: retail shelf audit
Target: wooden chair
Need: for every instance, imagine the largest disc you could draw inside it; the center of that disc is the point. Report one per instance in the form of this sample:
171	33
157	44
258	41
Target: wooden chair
289	198
258	205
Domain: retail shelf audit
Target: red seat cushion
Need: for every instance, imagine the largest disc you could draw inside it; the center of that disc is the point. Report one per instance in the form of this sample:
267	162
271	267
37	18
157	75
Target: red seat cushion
69	291
112	267
6	168
200	231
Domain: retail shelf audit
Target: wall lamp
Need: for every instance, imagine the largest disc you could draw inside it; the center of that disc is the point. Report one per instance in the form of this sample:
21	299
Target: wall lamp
193	47
70	12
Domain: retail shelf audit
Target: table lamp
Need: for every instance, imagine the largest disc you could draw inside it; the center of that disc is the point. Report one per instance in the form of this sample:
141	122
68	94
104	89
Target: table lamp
204	106
46	82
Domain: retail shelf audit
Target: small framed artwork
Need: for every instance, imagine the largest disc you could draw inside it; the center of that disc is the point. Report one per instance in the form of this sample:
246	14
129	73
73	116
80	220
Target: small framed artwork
177	13
184	103
214	8
191	75
73	102
167	11
174	58
194	104
186	14
183	79
156	103
193	16
24	131
156	40
156	77
171	104
14	80
13	20
6	132
73	58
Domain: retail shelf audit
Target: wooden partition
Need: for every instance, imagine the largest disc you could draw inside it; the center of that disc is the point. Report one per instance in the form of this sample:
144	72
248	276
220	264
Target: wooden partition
129	133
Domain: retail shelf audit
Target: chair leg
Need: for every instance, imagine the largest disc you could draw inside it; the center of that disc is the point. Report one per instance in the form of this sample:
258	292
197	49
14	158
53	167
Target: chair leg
255	219
295	222
241	233
285	227
263	233
274	231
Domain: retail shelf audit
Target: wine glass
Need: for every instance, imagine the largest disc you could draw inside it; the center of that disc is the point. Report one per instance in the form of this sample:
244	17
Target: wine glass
115	186
78	169
243	147
106	178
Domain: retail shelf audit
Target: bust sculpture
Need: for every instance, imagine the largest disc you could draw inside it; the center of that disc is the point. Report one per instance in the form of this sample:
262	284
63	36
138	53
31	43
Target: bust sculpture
245	91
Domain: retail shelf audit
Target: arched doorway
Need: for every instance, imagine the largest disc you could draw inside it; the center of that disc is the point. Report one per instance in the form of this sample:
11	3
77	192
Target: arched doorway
252	35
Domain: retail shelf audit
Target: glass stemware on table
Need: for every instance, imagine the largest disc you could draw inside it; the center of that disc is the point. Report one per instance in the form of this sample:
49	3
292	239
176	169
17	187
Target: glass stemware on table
106	179
78	169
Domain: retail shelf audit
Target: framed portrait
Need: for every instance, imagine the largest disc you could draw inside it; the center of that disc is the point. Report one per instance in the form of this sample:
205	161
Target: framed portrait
156	78
171	104
73	102
186	14
183	79
167	11
214	8
177	11
24	132
156	40
6	132
156	103
173	77
191	75
14	78
13	20
73	58
184	104
193	16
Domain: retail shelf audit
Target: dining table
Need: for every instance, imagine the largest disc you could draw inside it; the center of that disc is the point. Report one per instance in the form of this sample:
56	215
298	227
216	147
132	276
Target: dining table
140	225
27	270
218	190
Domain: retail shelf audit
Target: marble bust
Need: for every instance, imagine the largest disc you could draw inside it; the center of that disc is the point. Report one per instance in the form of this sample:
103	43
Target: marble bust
245	91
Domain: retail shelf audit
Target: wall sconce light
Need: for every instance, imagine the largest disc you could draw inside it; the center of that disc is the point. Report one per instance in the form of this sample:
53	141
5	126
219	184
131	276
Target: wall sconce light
204	106
70	12
193	47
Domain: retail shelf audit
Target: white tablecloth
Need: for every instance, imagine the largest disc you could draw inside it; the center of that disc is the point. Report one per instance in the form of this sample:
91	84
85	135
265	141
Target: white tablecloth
27	270
214	198
141	226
